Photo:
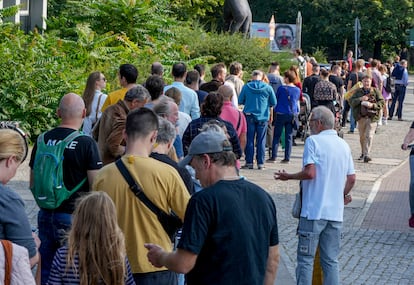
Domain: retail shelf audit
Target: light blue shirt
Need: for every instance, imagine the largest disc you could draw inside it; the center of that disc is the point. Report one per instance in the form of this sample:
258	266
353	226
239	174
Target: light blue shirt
323	196
404	79
189	99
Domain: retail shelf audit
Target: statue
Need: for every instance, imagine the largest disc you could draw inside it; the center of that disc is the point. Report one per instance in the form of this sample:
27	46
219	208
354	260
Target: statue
237	16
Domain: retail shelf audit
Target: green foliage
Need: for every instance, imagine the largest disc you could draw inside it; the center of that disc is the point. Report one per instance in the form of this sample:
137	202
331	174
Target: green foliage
8	12
31	81
223	47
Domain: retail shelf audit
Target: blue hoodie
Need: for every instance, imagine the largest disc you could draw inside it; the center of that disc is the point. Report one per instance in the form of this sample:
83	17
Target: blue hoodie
257	97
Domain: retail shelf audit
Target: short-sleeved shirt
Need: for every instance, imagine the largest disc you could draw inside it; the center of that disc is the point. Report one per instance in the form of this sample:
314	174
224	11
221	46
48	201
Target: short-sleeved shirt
230	226
80	156
323	196
14	224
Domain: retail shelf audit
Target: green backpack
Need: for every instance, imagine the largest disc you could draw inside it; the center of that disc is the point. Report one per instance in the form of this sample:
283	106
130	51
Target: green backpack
48	188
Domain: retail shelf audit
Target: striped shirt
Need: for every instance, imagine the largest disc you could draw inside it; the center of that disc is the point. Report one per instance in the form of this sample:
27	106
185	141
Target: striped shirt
60	276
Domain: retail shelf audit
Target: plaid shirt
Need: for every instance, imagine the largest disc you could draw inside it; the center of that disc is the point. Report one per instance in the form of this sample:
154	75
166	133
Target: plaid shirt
194	127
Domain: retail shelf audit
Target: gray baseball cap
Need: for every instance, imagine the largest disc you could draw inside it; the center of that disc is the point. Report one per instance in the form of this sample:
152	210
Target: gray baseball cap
206	142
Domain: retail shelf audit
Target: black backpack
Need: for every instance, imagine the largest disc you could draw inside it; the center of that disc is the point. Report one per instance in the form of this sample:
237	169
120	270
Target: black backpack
387	85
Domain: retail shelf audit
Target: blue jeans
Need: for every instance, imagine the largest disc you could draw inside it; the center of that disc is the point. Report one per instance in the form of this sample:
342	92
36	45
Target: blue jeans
412	184
328	235
399	96
53	229
282	121
352	121
258	130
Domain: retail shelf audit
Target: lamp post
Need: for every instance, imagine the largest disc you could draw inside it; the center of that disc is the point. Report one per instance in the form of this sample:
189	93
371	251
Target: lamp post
272	28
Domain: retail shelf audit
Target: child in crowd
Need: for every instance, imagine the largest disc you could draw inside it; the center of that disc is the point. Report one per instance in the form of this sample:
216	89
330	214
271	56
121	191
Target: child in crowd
95	252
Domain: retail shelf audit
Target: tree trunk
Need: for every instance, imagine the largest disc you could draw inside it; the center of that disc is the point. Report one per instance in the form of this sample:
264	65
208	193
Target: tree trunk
377	49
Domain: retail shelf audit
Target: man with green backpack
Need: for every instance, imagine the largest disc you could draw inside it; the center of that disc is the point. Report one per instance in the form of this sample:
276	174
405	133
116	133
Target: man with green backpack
63	165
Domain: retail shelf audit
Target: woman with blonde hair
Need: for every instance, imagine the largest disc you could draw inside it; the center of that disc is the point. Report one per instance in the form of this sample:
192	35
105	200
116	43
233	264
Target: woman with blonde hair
14	224
95	252
94	100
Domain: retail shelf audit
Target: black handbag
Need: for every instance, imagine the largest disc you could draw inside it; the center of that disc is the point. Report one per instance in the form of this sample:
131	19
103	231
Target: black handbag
170	222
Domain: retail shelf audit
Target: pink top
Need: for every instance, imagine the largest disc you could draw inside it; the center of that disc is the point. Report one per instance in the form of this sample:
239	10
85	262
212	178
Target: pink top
232	115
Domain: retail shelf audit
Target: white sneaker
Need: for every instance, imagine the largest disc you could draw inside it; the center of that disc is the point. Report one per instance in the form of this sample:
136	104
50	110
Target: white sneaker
384	121
379	123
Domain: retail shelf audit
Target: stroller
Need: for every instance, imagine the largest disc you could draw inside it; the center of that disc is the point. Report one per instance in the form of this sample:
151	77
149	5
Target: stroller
303	118
305	110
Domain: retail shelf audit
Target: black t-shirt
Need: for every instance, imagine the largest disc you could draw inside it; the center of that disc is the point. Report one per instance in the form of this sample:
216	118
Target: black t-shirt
355	78
337	81
184	174
80	156
309	84
230	226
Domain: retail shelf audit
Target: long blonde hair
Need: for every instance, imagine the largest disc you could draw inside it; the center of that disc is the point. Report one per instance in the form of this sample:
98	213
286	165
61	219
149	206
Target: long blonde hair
97	240
12	143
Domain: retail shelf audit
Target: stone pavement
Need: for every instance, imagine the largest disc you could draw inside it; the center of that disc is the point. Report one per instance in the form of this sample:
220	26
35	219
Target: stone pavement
377	245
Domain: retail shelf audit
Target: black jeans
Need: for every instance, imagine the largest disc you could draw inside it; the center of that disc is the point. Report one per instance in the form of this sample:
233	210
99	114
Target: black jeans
156	278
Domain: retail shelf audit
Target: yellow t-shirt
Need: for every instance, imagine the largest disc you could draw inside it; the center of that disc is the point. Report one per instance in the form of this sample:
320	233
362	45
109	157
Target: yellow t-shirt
162	185
114	97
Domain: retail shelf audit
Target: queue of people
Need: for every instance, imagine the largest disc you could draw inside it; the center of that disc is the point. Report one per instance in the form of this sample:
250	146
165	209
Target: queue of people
192	175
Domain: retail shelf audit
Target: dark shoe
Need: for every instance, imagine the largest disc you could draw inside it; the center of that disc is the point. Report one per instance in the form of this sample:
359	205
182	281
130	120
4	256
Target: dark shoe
294	143
400	119
350	132
285	161
247	166
411	221
367	159
361	157
261	167
271	160
390	118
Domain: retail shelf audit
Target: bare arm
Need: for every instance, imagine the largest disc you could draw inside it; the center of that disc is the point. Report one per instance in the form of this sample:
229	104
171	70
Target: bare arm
91	177
180	260
349	184
242	140
272	265
309	172
408	138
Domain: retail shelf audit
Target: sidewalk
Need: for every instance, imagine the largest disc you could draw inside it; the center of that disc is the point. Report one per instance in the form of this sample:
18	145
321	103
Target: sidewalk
377	242
377	245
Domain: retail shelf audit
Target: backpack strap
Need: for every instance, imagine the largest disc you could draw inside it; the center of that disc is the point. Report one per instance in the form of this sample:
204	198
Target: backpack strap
8	254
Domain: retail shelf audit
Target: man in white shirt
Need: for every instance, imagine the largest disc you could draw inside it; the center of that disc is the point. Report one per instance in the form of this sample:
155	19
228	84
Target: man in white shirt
328	176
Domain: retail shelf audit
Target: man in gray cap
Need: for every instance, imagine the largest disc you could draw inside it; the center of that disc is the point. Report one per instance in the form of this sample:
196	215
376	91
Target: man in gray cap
108	130
229	227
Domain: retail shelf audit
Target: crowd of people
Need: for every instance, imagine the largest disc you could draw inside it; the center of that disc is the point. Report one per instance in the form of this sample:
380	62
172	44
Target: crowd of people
181	144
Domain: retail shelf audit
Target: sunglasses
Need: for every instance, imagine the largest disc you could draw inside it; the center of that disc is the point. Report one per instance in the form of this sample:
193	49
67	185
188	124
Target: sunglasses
15	127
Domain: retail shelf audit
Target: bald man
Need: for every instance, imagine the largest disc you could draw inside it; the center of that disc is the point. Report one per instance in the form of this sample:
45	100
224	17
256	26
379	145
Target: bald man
80	166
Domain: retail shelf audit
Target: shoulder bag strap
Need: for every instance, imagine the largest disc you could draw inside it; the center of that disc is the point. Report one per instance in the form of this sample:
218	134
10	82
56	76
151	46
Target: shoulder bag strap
97	108
238	122
8	254
136	189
